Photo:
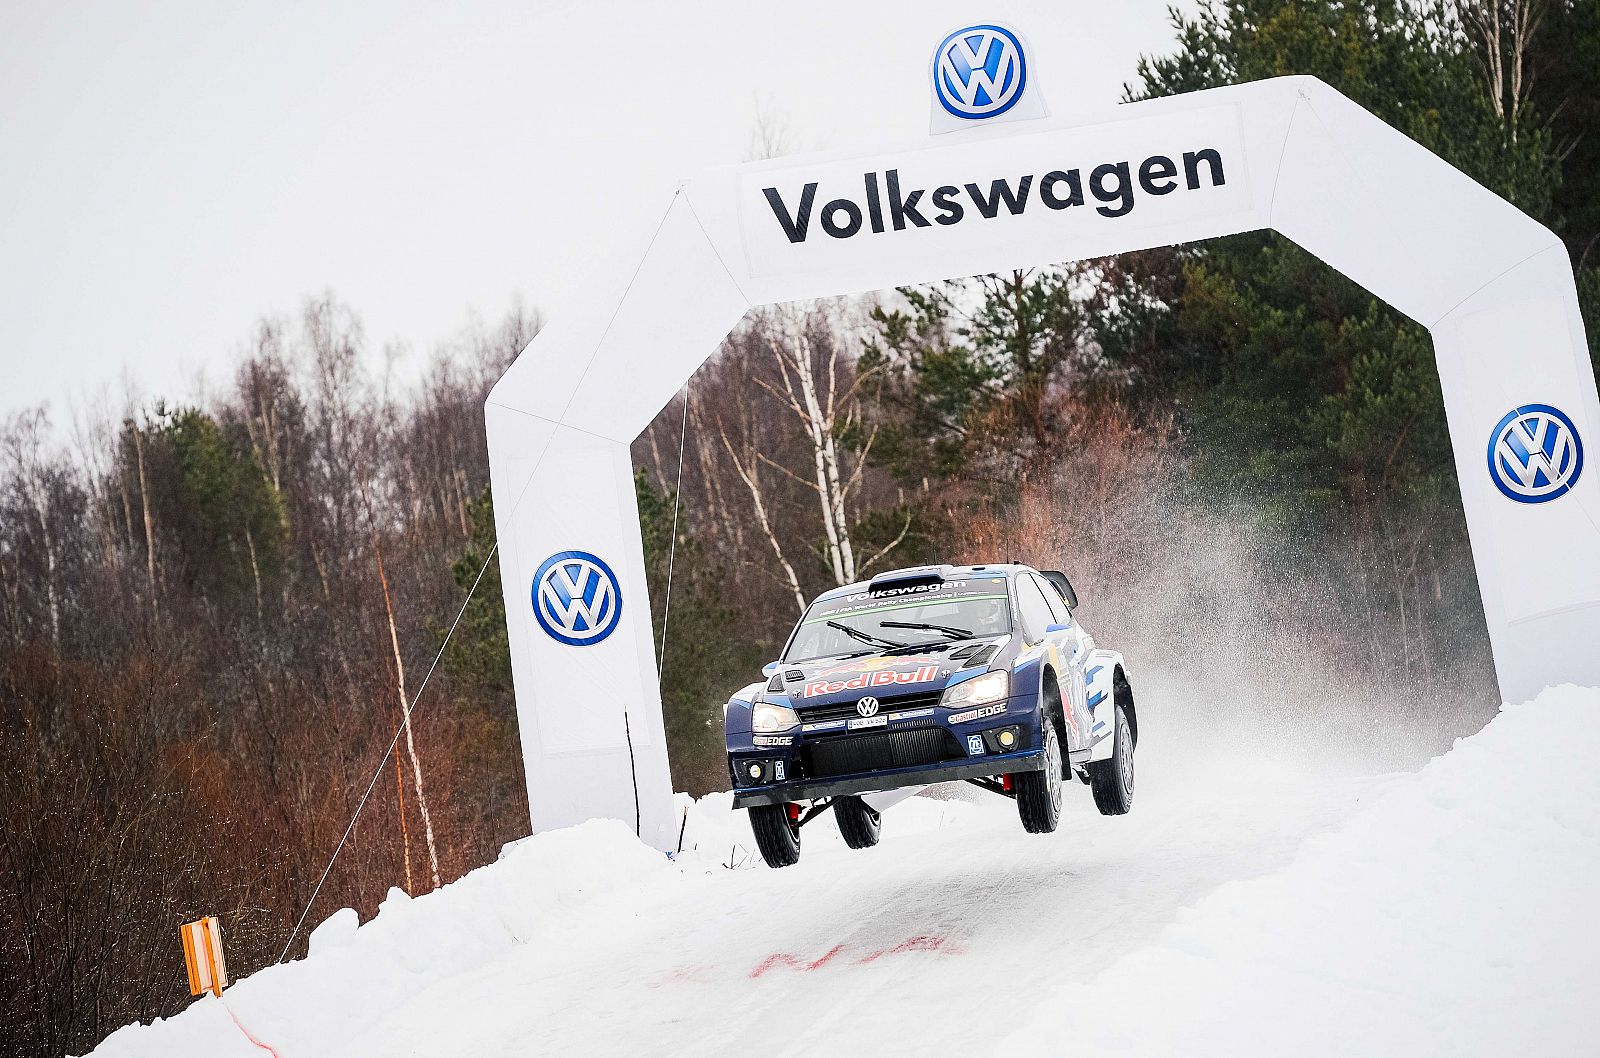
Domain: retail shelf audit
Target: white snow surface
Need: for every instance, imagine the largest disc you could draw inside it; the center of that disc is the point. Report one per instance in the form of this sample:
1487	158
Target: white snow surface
1248	906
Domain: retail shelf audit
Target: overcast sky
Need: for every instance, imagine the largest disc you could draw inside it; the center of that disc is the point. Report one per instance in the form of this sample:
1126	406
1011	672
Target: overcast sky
170	171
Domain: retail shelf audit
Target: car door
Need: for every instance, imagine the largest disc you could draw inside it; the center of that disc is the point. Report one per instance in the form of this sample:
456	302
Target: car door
1059	643
1075	646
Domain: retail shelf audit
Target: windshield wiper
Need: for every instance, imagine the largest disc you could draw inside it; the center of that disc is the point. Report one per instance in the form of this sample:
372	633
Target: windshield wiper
863	637
953	633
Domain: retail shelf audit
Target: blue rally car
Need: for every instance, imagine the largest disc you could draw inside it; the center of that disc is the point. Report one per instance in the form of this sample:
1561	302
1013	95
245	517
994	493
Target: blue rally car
925	675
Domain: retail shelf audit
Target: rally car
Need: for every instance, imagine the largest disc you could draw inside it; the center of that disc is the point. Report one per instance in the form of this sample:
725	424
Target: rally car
926	675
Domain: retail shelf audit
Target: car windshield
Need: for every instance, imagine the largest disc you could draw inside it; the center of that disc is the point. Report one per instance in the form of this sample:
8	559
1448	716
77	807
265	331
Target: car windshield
865	622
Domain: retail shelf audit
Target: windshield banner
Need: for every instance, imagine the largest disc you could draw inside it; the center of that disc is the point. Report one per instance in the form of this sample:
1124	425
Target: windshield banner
913	595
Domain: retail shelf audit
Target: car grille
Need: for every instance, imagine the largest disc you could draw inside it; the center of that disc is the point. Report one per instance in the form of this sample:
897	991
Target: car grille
881	750
839	710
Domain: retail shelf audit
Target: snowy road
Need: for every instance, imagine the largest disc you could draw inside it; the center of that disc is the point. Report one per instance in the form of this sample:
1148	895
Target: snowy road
918	941
1257	902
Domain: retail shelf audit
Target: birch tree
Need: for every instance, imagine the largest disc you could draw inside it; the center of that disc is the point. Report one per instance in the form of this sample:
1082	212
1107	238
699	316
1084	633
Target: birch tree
745	456
818	382
405	722
1503	32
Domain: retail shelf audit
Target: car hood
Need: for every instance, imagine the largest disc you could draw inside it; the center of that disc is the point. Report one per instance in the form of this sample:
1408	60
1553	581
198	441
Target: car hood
887	675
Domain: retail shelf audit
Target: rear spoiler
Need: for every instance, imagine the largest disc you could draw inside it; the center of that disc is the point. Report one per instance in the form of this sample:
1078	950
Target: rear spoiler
1063	585
906	578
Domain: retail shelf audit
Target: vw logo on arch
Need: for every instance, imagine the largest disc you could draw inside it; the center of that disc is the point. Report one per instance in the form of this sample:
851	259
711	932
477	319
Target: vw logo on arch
576	598
979	71
1535	454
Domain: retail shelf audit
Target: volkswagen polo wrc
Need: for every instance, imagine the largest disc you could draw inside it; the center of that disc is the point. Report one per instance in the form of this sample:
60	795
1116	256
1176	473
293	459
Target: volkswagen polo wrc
926	675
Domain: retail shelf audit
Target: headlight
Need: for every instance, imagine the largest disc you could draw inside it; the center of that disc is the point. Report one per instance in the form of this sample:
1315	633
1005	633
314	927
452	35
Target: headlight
990	687
769	717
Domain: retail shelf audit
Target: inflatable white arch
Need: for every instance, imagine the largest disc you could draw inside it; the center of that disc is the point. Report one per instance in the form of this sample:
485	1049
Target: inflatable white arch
1291	154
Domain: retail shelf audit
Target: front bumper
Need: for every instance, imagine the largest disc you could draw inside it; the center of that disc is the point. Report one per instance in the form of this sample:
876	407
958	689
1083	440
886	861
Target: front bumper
922	775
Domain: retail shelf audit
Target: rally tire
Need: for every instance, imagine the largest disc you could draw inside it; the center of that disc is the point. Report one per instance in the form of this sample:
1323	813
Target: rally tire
859	822
1112	779
777	836
1039	792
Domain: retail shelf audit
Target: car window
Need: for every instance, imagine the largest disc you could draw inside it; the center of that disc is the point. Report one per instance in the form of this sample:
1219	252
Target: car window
976	607
1053	599
1033	607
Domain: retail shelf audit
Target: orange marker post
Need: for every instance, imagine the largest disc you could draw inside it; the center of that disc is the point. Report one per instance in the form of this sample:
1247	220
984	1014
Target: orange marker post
202	953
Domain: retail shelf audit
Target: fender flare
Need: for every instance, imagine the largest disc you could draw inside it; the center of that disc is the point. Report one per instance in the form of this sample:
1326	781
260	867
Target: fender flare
1101	672
736	713
1055	712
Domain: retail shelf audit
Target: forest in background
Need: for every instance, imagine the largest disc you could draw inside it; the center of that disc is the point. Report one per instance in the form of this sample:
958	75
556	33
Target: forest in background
214	610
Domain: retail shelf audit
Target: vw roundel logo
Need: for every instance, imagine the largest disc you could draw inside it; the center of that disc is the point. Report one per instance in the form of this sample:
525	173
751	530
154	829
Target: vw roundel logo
1535	454
979	71
867	706
576	598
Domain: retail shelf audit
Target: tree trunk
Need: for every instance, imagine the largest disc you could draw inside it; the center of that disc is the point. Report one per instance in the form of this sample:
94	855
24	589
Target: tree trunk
149	524
818	413
405	711
749	473
255	570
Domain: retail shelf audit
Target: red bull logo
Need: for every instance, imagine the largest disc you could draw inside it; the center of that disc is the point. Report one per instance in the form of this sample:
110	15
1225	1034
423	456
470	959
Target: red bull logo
862	681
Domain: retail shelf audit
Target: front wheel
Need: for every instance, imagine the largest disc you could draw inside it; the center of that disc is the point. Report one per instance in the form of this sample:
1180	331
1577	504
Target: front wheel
858	822
777	835
1112	779
1039	792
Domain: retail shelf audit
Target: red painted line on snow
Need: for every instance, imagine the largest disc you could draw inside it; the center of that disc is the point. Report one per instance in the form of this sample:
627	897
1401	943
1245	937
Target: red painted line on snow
784	959
246	1032
922	943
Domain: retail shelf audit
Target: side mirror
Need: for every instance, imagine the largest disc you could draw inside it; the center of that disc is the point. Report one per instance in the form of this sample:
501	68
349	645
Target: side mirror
1056	628
1063	585
770	667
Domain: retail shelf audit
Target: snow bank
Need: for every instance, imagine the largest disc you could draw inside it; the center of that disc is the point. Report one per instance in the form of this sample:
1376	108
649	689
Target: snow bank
1450	911
1459	914
355	977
